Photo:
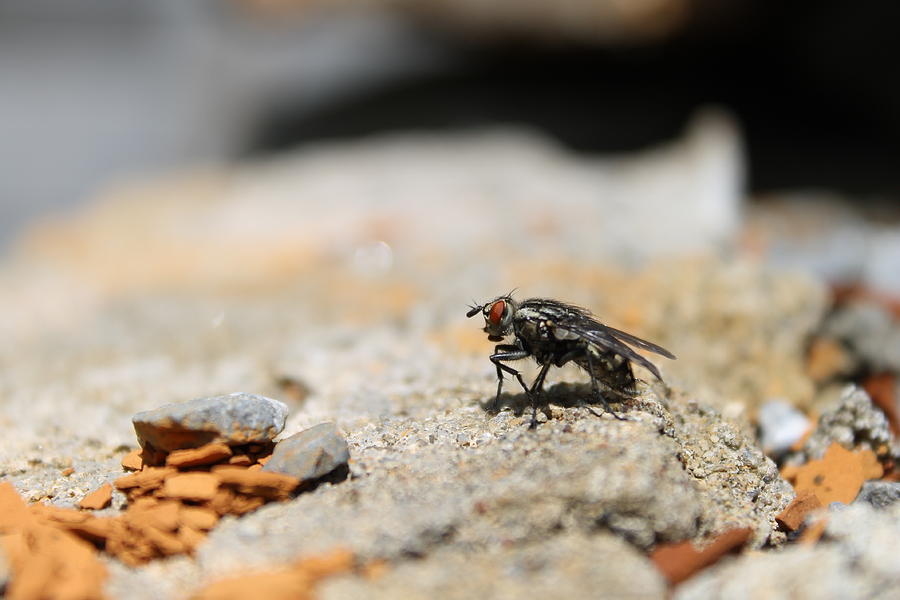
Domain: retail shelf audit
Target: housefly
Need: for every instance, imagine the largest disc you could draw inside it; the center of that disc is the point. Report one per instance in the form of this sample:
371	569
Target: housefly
554	333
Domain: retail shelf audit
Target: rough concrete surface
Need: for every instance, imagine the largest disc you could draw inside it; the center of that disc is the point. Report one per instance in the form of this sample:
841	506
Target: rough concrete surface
857	559
336	281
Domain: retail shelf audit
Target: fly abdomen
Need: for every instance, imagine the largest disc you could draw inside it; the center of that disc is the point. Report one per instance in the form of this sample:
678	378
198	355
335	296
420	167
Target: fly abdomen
611	369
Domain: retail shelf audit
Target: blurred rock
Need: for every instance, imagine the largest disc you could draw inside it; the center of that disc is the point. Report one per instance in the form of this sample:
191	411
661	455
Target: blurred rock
870	333
569	565
235	419
879	494
310	454
857	560
855	423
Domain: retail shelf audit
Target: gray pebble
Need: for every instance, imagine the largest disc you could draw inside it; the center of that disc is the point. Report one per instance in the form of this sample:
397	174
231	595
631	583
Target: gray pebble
233	419
879	493
310	454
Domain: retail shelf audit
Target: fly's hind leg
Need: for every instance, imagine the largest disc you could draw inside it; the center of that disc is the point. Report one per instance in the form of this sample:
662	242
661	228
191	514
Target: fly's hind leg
536	388
596	388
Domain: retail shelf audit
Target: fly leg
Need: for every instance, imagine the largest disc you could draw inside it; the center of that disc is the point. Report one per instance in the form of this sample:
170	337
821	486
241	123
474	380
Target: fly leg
507	352
536	388
597	392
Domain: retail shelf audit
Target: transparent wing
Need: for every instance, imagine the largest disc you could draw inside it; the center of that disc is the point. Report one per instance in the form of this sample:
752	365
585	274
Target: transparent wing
603	336
636	341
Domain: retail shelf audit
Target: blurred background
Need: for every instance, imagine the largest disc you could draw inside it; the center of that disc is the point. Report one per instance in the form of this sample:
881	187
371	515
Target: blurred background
95	92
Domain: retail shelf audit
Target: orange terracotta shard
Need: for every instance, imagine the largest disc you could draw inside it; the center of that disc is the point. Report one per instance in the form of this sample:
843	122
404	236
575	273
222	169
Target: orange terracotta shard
191	486
46	561
273	486
149	478
133	461
295	582
99	498
197	517
792	517
838	475
678	562
193	457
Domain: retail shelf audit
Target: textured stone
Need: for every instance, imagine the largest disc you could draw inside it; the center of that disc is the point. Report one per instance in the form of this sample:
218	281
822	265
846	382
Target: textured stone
310	454
879	494
854	423
234	419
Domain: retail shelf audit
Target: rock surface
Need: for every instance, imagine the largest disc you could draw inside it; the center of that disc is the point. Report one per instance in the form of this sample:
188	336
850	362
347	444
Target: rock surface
343	271
235	419
310	454
857	560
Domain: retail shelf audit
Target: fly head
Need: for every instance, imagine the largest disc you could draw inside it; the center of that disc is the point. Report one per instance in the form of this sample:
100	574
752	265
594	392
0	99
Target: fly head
498	316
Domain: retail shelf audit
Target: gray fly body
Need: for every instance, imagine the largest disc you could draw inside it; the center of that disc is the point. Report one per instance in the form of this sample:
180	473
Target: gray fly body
554	333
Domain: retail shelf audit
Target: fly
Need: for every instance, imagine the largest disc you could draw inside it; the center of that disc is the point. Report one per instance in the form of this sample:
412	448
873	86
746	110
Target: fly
554	333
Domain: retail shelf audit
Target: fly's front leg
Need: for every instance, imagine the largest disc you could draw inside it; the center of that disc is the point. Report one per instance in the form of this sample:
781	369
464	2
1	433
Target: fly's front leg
507	352
536	388
597	393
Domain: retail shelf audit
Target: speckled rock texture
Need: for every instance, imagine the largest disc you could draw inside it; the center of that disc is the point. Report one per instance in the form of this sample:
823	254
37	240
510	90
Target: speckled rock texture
853	422
234	419
335	280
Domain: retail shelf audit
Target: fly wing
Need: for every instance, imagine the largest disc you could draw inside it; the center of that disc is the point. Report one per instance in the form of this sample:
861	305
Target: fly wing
636	341
600	335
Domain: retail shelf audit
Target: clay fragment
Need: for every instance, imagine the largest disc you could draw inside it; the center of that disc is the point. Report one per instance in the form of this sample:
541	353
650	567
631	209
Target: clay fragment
792	517
98	499
838	475
204	455
191	486
149	478
273	486
240	460
678	562
190	538
133	461
197	517
46	561
295	582
162	515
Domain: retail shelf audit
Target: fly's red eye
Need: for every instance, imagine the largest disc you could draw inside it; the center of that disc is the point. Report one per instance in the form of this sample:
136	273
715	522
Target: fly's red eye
497	312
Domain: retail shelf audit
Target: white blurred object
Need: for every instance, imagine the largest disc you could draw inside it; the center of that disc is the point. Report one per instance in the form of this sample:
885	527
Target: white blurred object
781	425
686	196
